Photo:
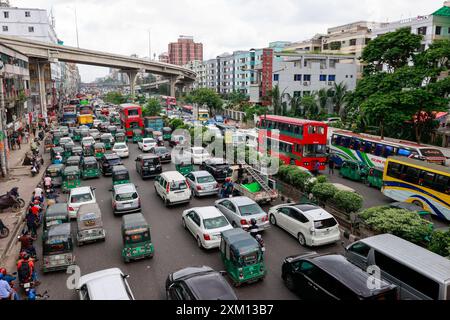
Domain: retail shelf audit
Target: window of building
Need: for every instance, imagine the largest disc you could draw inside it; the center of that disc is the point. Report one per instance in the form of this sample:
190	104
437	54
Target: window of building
307	77
367	40
353	42
422	31
6	14
297	77
30	29
332	77
323	77
306	93
276	77
438	30
5	28
325	46
297	93
27	14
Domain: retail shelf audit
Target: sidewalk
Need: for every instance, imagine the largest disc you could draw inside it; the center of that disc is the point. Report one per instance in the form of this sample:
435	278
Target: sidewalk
20	177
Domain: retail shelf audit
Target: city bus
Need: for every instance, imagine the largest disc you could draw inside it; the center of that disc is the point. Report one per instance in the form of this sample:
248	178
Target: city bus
187	109
372	151
86	120
301	142
203	115
424	184
156	123
131	118
168	102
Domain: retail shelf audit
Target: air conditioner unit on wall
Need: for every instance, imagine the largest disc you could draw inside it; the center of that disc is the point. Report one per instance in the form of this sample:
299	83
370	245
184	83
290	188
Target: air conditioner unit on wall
306	83
330	83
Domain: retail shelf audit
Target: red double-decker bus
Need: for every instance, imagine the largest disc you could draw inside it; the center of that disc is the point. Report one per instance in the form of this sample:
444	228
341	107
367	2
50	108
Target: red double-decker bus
301	142
131	118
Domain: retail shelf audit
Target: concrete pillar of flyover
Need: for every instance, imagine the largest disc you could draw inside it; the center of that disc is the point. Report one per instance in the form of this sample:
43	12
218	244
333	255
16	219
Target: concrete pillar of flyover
172	82
42	93
132	74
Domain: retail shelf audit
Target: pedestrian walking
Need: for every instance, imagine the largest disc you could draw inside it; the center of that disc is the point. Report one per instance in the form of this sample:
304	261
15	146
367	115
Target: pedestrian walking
18	141
331	166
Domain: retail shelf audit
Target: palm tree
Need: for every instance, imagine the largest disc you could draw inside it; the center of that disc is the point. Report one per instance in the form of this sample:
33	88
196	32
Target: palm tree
323	95
277	99
339	97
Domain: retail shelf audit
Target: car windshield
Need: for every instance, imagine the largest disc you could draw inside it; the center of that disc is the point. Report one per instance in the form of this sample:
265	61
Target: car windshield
150	162
149	141
215	223
137	236
250	209
114	162
326	223
178	185
120	146
126	196
79	198
205	179
316	150
160	150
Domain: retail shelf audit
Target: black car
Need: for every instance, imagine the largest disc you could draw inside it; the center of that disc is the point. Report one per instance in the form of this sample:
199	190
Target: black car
218	168
198	283
163	153
332	277
108	161
148	165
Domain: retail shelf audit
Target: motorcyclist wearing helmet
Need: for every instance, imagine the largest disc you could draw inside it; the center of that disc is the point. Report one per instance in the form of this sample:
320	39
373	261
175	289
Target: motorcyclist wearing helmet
25	269
227	188
26	243
253	229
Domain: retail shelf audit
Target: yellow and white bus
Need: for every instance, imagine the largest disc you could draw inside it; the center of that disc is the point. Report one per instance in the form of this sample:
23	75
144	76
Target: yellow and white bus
203	115
424	184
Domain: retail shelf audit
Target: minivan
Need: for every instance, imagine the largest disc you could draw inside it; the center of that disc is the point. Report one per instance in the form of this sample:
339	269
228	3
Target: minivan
419	273
332	277
172	187
125	199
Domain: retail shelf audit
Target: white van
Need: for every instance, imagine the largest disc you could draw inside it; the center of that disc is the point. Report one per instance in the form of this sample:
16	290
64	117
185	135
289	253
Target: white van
172	187
419	273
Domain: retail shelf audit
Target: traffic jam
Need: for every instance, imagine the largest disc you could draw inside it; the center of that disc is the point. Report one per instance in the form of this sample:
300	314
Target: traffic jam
128	204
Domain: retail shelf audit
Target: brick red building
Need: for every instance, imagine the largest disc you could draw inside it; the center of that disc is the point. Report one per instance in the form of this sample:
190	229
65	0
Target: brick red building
185	51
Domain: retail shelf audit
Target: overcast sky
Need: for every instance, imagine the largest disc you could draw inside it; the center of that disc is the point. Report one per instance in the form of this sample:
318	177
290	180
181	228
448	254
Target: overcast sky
121	26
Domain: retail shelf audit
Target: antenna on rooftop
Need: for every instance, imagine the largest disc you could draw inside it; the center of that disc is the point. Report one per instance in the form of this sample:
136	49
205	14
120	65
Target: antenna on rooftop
4	3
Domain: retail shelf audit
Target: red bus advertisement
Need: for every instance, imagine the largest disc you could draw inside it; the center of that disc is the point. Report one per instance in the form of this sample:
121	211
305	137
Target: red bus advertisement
131	118
301	142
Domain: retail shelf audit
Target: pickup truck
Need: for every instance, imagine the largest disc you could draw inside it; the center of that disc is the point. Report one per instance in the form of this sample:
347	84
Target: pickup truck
255	192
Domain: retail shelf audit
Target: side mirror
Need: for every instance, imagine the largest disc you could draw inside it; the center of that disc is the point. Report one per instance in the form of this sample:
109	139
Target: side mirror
223	273
125	276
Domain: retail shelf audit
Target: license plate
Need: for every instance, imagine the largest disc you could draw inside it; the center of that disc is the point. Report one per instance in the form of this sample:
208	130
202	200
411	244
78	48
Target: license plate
26	285
127	205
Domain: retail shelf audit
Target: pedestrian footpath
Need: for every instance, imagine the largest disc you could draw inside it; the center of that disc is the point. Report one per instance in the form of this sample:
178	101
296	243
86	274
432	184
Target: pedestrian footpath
20	177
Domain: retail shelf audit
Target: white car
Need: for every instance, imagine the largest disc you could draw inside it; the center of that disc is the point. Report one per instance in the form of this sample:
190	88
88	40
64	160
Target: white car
205	224
94	133
146	144
121	149
198	155
310	224
78	197
96	123
109	284
87	141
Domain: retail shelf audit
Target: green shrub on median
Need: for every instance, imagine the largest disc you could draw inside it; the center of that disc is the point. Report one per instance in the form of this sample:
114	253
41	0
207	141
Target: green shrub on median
440	243
324	191
348	201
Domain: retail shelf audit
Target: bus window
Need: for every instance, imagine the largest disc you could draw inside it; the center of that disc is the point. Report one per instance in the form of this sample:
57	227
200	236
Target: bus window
336	140
298	148
320	130
388	151
442	184
345	142
379	150
356	144
394	170
427	179
404	152
412	175
133	112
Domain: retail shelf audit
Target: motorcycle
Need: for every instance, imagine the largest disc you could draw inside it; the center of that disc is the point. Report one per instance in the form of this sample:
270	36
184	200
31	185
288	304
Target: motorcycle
34	170
9	201
4	231
14	192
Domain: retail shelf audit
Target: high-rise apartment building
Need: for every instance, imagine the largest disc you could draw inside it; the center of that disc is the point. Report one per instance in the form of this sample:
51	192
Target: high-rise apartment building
185	50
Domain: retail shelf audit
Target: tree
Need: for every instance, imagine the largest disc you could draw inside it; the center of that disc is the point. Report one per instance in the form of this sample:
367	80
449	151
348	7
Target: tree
152	108
393	50
339	96
115	97
277	99
323	96
310	107
205	96
237	97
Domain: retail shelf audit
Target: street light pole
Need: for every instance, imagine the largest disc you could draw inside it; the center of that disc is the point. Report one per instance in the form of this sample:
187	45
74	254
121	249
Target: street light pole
76	26
3	135
149	45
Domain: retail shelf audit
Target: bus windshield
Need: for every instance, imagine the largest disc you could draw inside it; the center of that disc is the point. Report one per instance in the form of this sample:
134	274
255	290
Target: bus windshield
314	150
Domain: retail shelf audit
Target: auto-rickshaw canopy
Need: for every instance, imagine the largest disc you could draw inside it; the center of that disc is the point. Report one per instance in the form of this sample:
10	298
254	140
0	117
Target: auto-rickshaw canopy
241	242
89	216
55	170
57	213
134	224
58	239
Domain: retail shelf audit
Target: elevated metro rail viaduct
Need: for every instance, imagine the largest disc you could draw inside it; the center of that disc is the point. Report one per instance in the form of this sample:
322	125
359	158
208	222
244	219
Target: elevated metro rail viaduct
43	52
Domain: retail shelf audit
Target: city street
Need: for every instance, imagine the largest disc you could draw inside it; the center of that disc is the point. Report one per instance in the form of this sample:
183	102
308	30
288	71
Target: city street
175	248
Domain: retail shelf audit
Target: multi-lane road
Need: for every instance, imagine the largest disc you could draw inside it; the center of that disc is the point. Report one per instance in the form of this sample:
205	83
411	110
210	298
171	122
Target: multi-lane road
175	248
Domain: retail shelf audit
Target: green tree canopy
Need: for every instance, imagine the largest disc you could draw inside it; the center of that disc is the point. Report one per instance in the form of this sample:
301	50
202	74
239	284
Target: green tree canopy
115	97
205	96
151	108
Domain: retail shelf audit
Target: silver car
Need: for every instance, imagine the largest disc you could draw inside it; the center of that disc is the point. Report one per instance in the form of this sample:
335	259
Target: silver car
125	199
240	210
202	183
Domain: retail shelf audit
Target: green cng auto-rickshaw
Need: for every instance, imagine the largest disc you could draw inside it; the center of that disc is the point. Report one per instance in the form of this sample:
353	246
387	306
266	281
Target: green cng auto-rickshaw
99	150
137	135
73	161
184	169
57	213
68	147
89	168
121	137
137	242
148	133
55	172
242	256
58	248
88	150
57	135
76	135
71	178
375	178
353	170
120	175
108	140
77	151
54	152
167	133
